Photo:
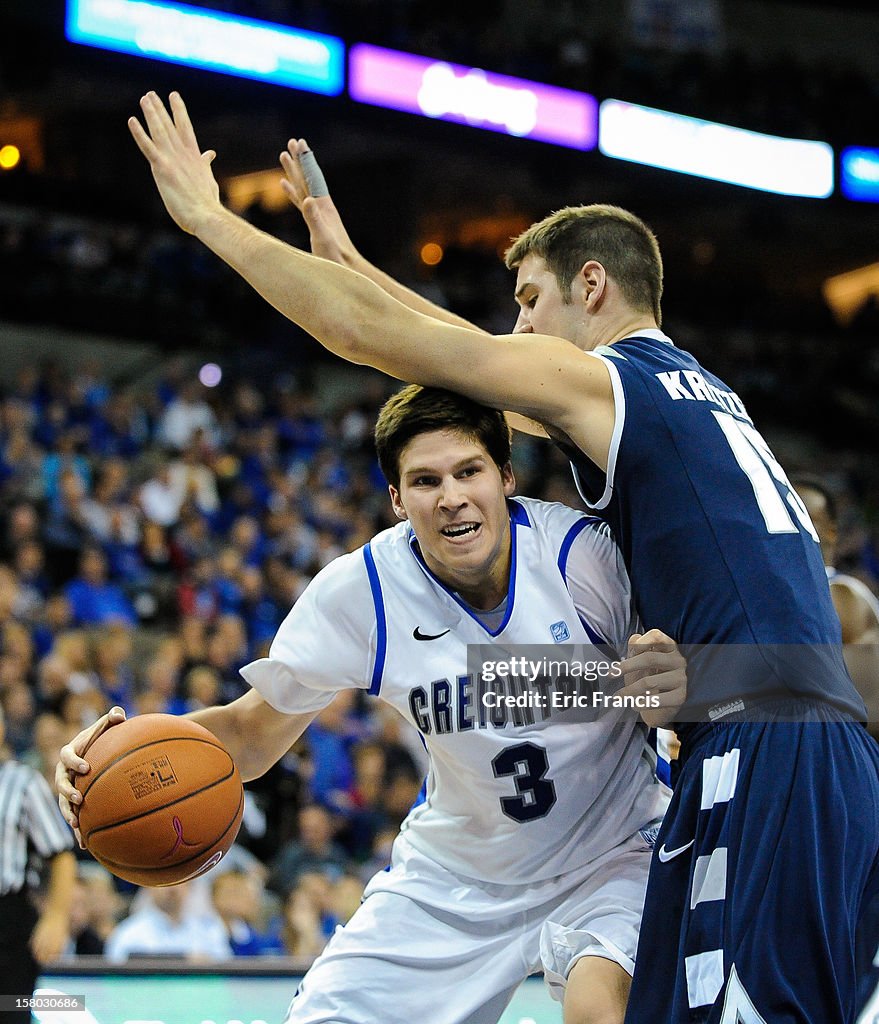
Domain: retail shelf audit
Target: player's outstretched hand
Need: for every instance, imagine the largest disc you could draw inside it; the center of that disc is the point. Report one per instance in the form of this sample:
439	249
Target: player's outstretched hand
305	187
181	170
71	763
655	667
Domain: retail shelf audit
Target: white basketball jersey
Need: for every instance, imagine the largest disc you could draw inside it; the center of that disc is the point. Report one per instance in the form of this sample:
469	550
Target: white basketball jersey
512	794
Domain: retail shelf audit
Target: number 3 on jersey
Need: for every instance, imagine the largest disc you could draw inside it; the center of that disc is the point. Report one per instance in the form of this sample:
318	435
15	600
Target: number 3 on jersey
528	765
768	480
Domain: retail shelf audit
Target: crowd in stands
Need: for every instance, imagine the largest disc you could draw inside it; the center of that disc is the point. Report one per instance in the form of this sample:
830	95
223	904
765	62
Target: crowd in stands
152	539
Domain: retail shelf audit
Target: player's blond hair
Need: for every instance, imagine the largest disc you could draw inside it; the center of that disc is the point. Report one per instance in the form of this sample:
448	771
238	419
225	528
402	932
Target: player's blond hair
416	410
618	240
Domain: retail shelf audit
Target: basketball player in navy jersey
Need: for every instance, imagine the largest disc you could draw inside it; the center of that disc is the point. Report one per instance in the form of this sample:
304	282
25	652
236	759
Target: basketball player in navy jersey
769	849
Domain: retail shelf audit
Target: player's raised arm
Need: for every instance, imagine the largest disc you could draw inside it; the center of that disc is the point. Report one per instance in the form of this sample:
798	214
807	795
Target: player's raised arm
544	378
306	188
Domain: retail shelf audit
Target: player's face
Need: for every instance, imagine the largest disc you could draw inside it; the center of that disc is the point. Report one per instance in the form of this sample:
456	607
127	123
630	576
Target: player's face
542	308
454	496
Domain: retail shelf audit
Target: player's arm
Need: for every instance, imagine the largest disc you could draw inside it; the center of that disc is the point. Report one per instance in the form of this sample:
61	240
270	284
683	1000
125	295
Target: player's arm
306	188
857	618
860	639
52	929
255	734
545	379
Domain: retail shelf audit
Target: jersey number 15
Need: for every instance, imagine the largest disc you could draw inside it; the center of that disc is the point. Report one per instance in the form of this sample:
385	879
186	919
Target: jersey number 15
776	499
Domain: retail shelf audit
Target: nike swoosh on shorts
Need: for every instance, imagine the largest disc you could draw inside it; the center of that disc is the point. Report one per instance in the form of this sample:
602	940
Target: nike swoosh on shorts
667	855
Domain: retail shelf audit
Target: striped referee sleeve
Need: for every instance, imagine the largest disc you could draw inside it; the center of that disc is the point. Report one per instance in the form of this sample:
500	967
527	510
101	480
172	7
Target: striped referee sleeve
29	819
45	825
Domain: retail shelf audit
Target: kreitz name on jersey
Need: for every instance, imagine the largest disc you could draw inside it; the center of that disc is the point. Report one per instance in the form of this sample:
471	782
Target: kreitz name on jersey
443	707
700	390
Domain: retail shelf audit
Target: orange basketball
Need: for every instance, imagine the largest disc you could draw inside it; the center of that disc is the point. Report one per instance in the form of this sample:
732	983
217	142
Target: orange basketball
163	800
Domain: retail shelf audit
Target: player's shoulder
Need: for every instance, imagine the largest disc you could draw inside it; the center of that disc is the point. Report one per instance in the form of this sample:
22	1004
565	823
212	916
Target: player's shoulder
353	567
555	518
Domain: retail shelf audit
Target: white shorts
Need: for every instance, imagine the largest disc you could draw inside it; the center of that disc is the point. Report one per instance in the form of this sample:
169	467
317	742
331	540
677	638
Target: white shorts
429	946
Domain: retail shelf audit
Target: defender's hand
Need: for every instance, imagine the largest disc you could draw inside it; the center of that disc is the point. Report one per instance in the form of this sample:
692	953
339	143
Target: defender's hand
181	170
305	187
655	667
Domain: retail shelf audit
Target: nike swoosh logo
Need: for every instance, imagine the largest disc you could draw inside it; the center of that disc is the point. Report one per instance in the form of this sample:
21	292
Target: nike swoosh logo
427	636
666	855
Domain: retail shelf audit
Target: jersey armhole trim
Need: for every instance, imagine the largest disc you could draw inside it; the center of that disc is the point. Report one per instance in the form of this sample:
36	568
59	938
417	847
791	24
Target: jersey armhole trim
565	550
381	645
619	402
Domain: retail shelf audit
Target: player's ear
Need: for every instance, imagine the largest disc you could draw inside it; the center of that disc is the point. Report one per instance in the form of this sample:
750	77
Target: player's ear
508	479
591	281
396	503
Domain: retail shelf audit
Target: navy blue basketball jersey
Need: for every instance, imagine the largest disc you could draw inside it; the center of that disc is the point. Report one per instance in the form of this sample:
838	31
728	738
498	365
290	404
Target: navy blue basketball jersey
718	545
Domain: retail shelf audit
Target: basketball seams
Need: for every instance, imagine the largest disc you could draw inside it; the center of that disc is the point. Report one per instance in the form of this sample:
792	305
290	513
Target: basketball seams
144	746
111	864
143	770
164	807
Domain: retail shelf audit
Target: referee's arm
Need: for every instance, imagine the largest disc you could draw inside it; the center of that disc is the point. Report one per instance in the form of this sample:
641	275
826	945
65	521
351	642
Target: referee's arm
52	930
46	830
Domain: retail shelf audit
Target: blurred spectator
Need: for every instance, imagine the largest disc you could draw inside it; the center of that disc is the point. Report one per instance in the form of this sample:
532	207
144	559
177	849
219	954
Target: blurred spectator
108	514
185	415
105	904
158	695
346	898
18	710
29	563
66	528
202	689
198	594
163	926
112	657
84	939
313	851
330	739
159	498
49	735
21	524
57	618
300	929
193	479
65	458
93	598
238	898
380	857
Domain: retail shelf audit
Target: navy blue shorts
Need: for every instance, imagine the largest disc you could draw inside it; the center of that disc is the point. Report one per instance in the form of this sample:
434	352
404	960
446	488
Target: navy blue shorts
761	875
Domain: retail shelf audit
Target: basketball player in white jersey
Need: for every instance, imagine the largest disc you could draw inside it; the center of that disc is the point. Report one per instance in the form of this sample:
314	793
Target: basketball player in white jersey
532	846
856	605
